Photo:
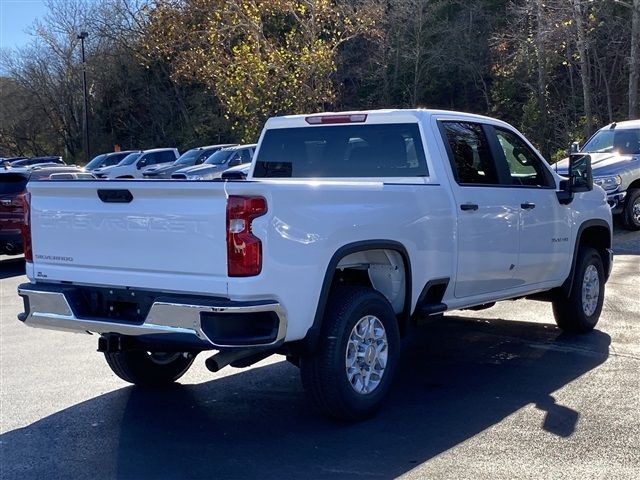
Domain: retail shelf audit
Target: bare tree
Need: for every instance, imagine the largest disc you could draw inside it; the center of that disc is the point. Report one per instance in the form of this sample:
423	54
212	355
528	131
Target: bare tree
634	61
585	72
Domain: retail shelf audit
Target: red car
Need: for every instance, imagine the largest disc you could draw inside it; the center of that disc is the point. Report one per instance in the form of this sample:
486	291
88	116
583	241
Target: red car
13	189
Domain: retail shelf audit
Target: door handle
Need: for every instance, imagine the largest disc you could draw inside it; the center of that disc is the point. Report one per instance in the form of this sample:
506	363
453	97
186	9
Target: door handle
115	196
468	206
528	206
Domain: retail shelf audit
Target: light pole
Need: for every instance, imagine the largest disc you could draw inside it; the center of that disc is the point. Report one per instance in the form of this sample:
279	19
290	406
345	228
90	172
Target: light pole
81	37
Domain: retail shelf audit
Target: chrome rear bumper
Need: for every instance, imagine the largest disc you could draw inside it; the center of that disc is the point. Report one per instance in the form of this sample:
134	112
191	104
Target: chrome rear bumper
52	310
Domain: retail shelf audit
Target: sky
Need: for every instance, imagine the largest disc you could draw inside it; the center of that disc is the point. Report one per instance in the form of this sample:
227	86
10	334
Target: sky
17	16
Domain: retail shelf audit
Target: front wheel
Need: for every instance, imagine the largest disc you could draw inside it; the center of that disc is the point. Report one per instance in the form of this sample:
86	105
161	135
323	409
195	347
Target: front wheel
352	370
149	368
631	212
580	311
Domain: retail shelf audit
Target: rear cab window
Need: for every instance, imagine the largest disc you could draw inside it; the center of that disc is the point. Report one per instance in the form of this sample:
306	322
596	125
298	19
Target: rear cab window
11	183
342	151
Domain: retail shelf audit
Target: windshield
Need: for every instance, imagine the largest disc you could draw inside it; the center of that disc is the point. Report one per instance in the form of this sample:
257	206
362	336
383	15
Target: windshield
220	157
190	157
130	159
97	161
113	159
626	142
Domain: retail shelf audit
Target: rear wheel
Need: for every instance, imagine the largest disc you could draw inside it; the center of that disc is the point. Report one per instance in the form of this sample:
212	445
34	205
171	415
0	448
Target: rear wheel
352	370
580	311
631	212
149	368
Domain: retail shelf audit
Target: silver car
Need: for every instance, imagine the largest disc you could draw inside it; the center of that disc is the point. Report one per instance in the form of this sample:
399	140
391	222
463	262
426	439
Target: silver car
217	163
192	157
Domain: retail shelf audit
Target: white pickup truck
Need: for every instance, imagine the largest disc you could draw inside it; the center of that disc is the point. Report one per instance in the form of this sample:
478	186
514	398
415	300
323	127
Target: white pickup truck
348	228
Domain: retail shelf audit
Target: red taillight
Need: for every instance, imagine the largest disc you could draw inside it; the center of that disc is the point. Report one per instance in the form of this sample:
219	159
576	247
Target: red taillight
244	250
25	226
332	119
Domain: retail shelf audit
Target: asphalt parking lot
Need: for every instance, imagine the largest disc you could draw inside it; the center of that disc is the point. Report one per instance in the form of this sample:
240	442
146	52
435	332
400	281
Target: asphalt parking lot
499	393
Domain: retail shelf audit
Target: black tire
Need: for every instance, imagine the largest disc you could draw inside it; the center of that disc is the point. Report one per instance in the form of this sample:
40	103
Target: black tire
631	212
150	369
324	374
569	312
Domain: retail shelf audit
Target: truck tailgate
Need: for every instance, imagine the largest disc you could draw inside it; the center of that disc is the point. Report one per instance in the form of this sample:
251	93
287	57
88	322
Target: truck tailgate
170	235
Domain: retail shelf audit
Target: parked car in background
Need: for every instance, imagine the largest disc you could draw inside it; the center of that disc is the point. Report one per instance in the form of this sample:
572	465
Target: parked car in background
13	186
6	161
192	157
239	172
615	160
106	160
217	163
48	160
133	164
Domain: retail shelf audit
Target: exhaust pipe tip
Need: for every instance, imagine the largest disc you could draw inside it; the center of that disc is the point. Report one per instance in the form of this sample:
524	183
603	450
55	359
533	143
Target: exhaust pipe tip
241	357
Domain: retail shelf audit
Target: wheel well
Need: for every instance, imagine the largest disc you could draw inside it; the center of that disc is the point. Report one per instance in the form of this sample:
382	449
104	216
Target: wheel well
599	238
380	269
634	184
595	234
350	265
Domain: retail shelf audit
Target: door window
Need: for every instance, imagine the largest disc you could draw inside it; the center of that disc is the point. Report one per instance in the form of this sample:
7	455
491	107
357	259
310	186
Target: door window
470	153
245	155
165	157
525	167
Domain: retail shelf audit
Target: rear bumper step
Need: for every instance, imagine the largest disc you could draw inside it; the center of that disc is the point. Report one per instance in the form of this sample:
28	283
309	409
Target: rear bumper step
212	322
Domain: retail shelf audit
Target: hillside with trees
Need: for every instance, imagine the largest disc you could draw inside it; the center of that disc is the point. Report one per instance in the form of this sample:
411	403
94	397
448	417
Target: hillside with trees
193	72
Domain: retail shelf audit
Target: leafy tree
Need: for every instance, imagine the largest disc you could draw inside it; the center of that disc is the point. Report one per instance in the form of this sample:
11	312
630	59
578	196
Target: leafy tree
259	57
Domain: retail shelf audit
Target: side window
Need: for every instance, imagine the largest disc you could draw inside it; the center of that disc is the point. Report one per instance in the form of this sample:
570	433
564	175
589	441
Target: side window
245	155
145	160
202	157
471	160
234	159
151	158
166	157
525	167
159	157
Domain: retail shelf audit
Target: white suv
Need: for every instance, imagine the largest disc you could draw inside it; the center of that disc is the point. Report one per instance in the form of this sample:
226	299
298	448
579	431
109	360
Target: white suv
133	164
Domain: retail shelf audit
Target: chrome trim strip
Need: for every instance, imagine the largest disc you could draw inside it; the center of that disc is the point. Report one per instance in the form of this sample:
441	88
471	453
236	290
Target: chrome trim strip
51	310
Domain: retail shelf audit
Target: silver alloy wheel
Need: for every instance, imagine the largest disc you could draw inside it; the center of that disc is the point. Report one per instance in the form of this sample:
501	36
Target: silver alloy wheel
635	212
590	290
366	355
163	358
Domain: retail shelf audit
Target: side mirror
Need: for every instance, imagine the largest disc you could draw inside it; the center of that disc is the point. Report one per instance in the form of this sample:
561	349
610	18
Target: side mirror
235	162
580	178
574	148
580	175
142	163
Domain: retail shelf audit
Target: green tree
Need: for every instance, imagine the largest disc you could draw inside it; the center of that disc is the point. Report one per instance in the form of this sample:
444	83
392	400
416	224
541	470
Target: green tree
259	57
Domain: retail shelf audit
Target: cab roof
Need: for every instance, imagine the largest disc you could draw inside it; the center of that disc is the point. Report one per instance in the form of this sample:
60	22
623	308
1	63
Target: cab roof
379	116
624	125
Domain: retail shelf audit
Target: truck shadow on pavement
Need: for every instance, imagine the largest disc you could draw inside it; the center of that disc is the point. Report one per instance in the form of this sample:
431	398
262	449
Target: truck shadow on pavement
11	267
458	377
